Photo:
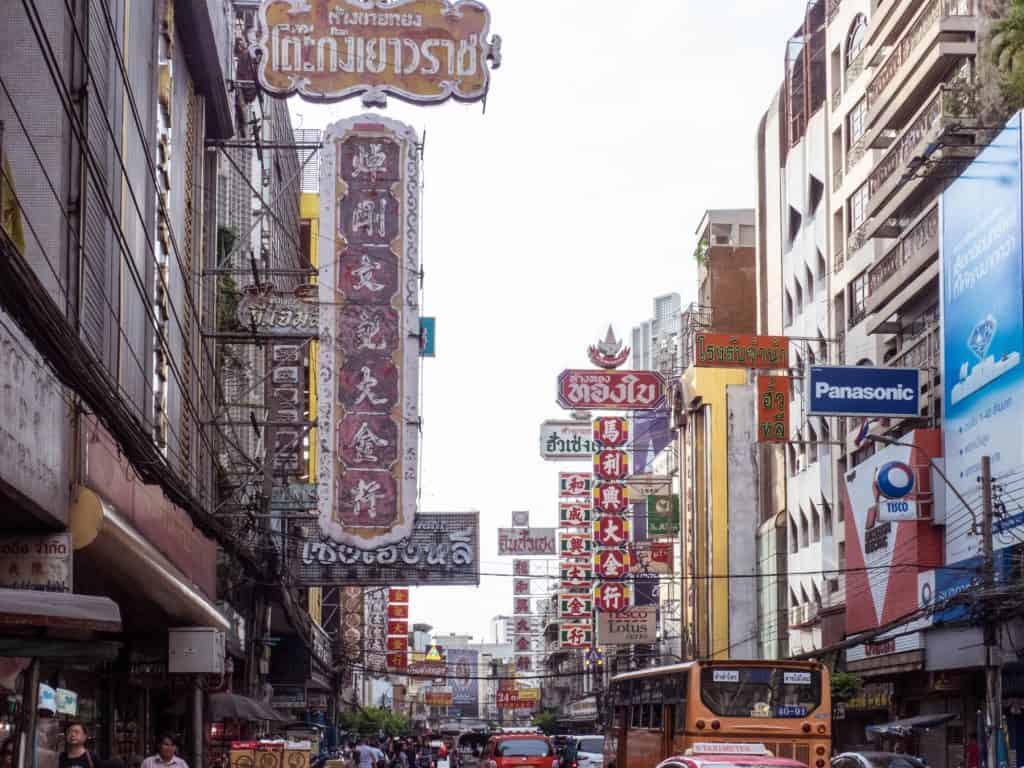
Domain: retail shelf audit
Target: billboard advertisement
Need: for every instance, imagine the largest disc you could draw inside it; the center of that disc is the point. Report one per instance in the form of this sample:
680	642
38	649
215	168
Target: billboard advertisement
629	627
886	556
368	391
983	329
462	670
862	391
421	51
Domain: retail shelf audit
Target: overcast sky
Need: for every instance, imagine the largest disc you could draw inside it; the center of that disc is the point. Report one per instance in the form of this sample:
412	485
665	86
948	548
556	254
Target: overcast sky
569	204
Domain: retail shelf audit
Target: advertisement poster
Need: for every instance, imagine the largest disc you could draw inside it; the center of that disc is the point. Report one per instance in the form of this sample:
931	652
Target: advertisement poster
462	667
983	330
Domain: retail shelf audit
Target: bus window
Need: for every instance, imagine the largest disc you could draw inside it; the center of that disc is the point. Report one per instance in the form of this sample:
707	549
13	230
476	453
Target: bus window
760	691
637	715
655	716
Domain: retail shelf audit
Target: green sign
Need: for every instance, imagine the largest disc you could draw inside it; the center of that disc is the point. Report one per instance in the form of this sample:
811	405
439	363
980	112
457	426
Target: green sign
663	515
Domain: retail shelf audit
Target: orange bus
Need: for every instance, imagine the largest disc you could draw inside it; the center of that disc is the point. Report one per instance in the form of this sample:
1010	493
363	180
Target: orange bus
659	712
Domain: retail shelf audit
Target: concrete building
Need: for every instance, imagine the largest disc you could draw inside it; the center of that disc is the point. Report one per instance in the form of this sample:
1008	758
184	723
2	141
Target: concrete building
656	341
718	461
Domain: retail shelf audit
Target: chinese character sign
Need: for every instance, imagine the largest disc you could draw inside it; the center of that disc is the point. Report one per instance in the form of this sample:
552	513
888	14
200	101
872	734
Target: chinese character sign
610	466
574	484
574	515
773	409
576	635
611	431
369	333
611	498
611	597
612	564
611	531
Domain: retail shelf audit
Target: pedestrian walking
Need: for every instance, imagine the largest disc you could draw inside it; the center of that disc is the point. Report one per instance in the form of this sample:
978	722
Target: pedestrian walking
166	755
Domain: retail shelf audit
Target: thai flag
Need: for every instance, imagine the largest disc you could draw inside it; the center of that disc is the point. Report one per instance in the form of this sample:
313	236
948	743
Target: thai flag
862	433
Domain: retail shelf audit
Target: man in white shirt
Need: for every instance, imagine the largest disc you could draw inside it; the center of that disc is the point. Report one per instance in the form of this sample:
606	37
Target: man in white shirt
366	755
166	756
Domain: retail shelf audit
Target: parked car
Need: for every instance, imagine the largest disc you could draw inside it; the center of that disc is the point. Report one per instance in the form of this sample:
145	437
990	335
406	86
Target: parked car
519	750
877	760
584	752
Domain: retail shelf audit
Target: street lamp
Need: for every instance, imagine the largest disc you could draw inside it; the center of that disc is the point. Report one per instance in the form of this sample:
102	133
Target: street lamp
891	441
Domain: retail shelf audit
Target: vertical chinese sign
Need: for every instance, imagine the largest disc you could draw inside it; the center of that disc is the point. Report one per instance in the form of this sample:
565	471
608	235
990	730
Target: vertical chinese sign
611	525
575	604
398	629
773	393
369	333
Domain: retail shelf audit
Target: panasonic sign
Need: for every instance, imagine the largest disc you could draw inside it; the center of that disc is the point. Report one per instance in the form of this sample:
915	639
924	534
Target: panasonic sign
864	391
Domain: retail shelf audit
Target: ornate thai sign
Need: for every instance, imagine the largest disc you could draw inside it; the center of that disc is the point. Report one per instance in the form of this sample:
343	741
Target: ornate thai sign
421	51
444	548
611	390
610	353
369	333
737	350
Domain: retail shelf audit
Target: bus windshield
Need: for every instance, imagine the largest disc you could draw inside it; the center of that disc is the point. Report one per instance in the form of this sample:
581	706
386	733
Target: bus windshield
760	691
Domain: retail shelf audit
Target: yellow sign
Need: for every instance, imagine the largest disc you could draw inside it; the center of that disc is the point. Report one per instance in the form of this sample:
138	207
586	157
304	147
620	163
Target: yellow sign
529	694
434	654
422	51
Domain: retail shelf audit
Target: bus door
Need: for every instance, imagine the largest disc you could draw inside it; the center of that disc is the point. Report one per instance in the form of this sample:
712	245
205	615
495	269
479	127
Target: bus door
669	730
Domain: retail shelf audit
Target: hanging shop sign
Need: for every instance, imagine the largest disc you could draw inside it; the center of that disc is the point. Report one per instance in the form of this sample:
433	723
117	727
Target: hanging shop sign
398	627
611	498
611	531
629	627
523	626
566	441
511	698
295	496
651	557
575	587
738	350
428	337
522	644
438	697
574	606
773	395
42	563
663	515
612	563
610	390
611	597
268	312
611	432
526	542
521	606
287	373
574	515
523	663
520	586
863	391
444	548
575	544
575	484
642	486
420	51
611	465
369	332
577	635
521	568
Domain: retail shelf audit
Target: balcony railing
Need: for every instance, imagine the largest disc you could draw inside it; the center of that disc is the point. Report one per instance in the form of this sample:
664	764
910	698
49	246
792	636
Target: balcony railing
854	154
854	69
900	155
837	178
833	9
921	352
935	10
924	232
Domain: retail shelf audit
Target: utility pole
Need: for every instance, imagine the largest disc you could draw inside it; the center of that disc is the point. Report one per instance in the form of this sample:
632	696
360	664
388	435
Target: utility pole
993	670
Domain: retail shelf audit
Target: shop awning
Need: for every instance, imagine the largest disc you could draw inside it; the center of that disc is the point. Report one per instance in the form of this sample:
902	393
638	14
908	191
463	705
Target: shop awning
232	706
907	726
101	532
58	611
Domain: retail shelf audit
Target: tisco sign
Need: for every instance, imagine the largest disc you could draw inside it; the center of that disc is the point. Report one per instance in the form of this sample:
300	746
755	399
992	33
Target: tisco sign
895	491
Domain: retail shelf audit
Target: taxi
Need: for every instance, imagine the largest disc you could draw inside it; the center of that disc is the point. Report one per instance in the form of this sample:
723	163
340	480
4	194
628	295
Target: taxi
728	755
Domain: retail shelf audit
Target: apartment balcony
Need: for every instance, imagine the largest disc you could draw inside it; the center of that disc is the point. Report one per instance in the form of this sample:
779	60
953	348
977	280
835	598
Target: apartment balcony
940	34
938	137
801	616
923	352
911	263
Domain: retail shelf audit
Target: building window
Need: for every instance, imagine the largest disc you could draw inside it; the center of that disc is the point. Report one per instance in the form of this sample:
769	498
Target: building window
805	531
855	38
856	122
794	541
858	290
858	205
815	524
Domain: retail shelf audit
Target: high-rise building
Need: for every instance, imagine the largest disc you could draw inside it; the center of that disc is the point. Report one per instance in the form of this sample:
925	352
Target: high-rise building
656	341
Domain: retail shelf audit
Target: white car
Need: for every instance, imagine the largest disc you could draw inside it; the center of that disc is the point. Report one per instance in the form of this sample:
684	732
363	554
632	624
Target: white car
585	752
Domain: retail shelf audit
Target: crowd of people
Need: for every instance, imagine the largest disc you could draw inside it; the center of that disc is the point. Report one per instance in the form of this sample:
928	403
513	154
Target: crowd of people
398	753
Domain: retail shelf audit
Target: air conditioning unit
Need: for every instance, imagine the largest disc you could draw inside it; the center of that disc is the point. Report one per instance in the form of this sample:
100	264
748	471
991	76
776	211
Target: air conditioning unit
195	651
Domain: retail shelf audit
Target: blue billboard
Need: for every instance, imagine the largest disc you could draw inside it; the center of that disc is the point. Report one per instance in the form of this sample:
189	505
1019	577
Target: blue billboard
862	391
982	327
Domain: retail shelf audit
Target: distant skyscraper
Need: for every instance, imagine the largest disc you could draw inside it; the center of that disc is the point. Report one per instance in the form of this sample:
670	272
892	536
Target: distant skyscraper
656	341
